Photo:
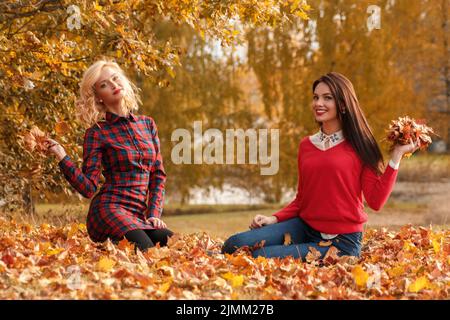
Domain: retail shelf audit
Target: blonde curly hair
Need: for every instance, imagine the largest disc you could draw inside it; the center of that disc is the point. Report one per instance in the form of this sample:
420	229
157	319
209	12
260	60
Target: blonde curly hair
88	111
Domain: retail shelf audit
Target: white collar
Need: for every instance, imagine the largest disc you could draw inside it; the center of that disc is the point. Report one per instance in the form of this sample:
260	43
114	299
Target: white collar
320	138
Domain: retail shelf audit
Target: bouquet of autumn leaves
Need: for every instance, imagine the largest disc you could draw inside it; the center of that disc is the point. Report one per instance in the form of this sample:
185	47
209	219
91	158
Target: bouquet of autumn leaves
405	129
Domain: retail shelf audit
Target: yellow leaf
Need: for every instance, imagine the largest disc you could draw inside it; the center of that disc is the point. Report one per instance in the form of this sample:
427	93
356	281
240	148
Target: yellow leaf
396	271
170	72
409	246
120	29
97	7
44	246
302	15
165	286
236	281
73	230
436	245
419	284
45	227
360	276
105	264
52	252
306	7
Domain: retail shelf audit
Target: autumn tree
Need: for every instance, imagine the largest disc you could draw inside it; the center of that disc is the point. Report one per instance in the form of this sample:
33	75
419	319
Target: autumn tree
46	45
397	68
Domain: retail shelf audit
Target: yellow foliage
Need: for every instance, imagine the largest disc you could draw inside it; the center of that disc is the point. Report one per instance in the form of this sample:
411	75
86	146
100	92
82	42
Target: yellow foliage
105	264
360	276
235	280
419	284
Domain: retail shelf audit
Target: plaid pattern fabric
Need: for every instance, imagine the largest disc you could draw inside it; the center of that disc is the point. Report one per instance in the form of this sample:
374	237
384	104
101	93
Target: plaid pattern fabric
128	150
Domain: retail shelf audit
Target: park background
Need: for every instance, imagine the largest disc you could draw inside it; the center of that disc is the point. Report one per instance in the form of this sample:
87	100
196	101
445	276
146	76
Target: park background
230	64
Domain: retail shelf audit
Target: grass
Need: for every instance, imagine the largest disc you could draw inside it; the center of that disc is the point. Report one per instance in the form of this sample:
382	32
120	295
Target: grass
425	167
217	220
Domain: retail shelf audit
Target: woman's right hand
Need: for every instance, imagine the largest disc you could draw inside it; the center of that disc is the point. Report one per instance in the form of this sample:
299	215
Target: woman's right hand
53	147
260	220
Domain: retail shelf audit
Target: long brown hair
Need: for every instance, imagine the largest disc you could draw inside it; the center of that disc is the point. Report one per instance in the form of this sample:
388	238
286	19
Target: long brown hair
354	124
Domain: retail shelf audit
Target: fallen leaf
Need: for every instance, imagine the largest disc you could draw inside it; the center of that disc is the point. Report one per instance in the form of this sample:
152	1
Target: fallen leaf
325	243
287	239
419	284
105	264
360	276
236	280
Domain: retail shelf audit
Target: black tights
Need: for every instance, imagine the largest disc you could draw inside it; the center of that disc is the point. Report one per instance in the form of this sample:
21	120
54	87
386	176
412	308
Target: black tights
144	239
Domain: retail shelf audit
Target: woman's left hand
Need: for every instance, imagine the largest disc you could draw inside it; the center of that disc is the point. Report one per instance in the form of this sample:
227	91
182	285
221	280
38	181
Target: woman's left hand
157	223
400	150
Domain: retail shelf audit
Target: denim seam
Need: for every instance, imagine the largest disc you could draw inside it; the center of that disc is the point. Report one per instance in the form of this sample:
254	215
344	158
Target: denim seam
299	255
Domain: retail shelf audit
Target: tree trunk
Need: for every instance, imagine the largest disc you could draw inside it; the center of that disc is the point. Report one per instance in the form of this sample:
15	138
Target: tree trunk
28	200
446	70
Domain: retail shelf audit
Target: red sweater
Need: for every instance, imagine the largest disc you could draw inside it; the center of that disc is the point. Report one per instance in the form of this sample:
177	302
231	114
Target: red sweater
330	188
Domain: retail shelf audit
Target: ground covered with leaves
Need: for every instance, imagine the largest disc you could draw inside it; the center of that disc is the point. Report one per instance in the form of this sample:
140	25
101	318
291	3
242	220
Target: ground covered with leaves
47	262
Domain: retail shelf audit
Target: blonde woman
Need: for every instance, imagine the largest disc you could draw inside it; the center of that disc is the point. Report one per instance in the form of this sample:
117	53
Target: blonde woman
129	203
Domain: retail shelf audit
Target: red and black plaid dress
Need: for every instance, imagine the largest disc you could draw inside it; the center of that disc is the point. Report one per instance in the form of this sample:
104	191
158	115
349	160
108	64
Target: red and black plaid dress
128	150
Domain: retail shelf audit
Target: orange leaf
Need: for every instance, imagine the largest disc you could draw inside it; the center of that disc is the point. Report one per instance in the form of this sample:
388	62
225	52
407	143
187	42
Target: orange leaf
125	245
287	239
325	243
62	127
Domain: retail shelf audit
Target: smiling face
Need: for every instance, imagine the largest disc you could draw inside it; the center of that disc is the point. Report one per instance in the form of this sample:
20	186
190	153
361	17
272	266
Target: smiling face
324	104
109	87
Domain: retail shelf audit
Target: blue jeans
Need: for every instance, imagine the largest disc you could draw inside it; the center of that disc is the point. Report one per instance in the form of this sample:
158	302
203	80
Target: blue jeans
302	237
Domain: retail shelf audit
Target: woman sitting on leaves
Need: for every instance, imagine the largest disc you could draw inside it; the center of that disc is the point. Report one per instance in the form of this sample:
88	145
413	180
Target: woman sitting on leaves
336	166
129	203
